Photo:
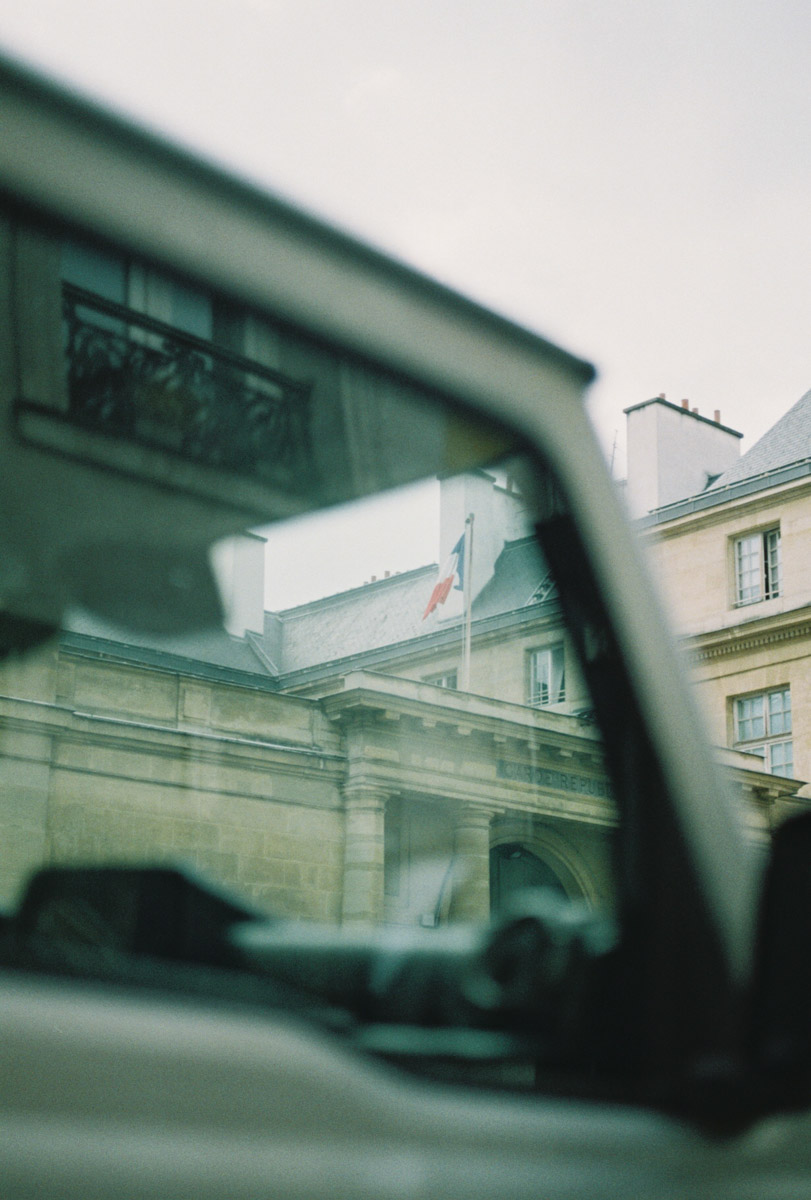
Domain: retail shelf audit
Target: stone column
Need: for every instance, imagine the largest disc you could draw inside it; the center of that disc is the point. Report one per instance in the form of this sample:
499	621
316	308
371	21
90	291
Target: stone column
363	856
471	889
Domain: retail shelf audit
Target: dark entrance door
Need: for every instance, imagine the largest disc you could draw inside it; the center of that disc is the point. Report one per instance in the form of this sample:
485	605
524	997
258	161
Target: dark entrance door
513	868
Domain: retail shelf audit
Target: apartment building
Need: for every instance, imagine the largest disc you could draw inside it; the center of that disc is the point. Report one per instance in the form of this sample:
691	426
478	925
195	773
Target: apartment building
735	565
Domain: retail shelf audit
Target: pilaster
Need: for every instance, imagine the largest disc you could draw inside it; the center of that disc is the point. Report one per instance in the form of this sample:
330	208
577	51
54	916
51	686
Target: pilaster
471	890
363	855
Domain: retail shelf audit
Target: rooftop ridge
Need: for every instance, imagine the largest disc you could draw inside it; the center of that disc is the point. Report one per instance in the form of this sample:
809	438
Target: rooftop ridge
714	497
687	412
785	443
322	601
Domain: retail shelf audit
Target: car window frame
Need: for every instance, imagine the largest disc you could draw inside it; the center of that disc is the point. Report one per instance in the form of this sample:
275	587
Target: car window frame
285	263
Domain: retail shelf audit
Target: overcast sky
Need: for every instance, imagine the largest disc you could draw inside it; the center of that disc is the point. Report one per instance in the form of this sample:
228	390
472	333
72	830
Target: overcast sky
632	179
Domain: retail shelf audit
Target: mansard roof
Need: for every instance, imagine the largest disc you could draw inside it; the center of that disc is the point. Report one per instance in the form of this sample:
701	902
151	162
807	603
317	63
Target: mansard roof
345	626
349	623
782	455
787	442
390	611
212	648
519	571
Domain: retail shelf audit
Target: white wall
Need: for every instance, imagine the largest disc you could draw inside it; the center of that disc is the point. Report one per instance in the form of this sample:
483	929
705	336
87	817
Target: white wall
498	517
239	567
673	453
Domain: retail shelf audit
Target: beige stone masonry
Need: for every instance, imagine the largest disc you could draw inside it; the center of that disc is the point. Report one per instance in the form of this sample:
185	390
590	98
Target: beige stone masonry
363	895
471	886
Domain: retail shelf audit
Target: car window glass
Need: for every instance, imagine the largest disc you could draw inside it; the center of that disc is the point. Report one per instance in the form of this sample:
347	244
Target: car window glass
390	727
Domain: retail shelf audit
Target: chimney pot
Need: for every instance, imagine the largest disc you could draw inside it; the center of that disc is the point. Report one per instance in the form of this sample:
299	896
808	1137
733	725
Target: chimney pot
386	574
685	403
716	416
695	410
373	579
662	396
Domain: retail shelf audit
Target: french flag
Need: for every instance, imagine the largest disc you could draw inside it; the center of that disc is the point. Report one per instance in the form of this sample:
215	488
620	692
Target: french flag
453	568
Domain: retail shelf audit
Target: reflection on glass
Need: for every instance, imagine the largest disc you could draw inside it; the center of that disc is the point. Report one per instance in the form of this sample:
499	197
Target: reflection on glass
391	728
358	757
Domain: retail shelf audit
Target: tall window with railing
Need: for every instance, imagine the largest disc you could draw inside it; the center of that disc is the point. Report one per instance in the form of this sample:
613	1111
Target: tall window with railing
547	676
758	567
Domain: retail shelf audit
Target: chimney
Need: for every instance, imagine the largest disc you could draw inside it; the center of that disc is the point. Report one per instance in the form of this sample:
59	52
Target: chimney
499	517
716	416
670	459
239	568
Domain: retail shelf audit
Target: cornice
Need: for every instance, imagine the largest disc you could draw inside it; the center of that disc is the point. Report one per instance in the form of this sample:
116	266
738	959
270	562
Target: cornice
732	508
560	735
751	490
735	640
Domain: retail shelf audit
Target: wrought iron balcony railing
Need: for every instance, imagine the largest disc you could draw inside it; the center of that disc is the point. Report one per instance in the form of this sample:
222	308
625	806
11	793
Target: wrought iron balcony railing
135	378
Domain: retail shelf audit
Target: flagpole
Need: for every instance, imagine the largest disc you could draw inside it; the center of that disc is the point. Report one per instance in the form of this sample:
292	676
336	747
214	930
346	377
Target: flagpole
467	594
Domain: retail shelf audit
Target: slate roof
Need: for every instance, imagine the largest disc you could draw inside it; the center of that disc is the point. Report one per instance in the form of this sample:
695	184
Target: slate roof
214	647
391	611
519	570
364	618
346	625
788	441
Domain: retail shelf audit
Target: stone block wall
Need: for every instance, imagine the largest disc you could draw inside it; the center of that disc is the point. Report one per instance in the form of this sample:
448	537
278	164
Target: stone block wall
129	764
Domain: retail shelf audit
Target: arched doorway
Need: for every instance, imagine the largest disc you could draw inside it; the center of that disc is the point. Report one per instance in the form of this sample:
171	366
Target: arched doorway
513	868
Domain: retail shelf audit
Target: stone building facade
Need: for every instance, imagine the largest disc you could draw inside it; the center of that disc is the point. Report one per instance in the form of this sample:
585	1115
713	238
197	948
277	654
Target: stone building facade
381	800
357	758
735	564
328	766
309	759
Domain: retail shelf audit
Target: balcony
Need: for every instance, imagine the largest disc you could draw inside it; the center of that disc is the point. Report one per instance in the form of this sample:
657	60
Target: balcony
140	381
